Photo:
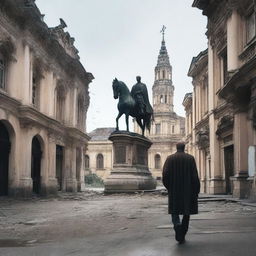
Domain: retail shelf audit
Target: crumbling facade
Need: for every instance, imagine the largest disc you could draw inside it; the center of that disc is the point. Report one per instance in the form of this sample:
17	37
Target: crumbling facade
225	135
43	104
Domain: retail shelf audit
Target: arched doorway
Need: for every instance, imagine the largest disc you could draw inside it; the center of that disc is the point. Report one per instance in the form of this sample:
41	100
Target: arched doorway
5	147
36	165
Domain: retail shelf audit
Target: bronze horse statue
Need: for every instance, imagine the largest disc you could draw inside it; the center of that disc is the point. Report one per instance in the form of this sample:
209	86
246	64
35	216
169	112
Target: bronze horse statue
128	106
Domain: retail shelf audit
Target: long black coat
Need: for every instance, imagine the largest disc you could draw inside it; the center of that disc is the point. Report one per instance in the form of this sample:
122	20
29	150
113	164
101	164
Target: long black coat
180	178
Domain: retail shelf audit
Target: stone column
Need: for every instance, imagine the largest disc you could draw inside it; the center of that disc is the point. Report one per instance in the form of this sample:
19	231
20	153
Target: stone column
70	169
26	91
217	182
51	155
233	41
193	123
240	155
82	171
252	142
24	159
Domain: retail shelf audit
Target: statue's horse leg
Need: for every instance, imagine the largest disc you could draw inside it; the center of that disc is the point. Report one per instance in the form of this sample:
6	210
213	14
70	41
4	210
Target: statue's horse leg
127	121
143	126
117	118
138	120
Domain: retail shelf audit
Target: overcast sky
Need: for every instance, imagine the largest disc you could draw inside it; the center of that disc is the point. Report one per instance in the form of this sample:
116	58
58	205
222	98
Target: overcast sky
121	38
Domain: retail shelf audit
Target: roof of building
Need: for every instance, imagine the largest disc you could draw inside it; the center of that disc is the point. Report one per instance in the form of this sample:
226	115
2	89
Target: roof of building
101	133
56	42
195	61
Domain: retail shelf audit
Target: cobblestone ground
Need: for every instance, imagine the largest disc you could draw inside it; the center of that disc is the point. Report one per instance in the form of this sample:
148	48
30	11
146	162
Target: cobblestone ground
121	225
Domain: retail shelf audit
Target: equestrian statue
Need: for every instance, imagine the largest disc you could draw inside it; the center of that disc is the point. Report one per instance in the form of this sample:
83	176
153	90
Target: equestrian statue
134	103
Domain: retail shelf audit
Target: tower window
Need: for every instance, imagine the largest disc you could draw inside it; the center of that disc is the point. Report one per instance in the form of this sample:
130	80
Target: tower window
161	99
165	98
172	128
158	128
163	74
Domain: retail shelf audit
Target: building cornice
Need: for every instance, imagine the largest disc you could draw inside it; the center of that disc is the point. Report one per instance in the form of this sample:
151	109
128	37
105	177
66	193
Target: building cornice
28	18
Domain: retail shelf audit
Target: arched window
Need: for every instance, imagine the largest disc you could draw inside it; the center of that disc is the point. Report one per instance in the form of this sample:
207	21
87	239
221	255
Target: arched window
86	162
2	72
157	161
100	161
161	99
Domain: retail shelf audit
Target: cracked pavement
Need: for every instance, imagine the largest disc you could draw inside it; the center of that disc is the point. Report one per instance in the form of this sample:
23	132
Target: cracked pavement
93	224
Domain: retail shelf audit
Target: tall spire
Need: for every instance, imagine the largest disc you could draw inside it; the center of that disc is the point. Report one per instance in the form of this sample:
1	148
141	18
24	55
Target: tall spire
163	87
163	31
163	58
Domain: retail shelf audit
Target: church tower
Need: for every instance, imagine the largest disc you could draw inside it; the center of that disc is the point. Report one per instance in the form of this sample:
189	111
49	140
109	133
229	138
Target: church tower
163	87
167	128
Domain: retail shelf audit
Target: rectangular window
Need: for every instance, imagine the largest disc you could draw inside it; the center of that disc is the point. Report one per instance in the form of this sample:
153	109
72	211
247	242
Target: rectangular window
34	91
2	73
250	27
224	67
172	128
158	128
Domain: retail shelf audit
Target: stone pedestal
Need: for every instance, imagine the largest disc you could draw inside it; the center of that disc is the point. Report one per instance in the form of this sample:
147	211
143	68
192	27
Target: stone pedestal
130	168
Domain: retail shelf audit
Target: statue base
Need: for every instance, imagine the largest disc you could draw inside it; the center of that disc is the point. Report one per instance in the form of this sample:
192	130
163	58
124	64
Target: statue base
130	169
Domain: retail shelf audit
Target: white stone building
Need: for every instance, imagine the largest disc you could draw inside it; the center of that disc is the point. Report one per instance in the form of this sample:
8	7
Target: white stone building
99	153
43	104
223	101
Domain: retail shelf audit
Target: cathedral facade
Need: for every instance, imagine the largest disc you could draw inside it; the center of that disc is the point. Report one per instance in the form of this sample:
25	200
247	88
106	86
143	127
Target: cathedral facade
167	128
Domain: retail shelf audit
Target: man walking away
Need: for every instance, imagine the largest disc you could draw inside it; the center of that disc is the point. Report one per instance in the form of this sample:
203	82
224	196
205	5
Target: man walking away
181	180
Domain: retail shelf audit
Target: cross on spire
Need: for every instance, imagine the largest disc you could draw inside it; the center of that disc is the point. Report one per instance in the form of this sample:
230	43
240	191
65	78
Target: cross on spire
163	31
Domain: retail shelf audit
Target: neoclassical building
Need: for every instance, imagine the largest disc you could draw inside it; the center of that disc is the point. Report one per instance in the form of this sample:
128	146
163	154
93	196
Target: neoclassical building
167	127
223	130
99	153
43	104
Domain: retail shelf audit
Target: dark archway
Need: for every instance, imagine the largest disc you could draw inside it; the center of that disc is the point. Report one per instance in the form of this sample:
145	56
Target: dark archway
36	165
5	146
229	167
59	166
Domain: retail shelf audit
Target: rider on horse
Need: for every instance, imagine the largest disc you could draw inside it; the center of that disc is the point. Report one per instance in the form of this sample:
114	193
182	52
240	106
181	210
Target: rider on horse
139	93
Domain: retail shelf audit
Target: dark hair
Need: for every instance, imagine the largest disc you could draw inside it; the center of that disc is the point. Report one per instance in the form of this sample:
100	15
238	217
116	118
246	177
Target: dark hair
180	146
